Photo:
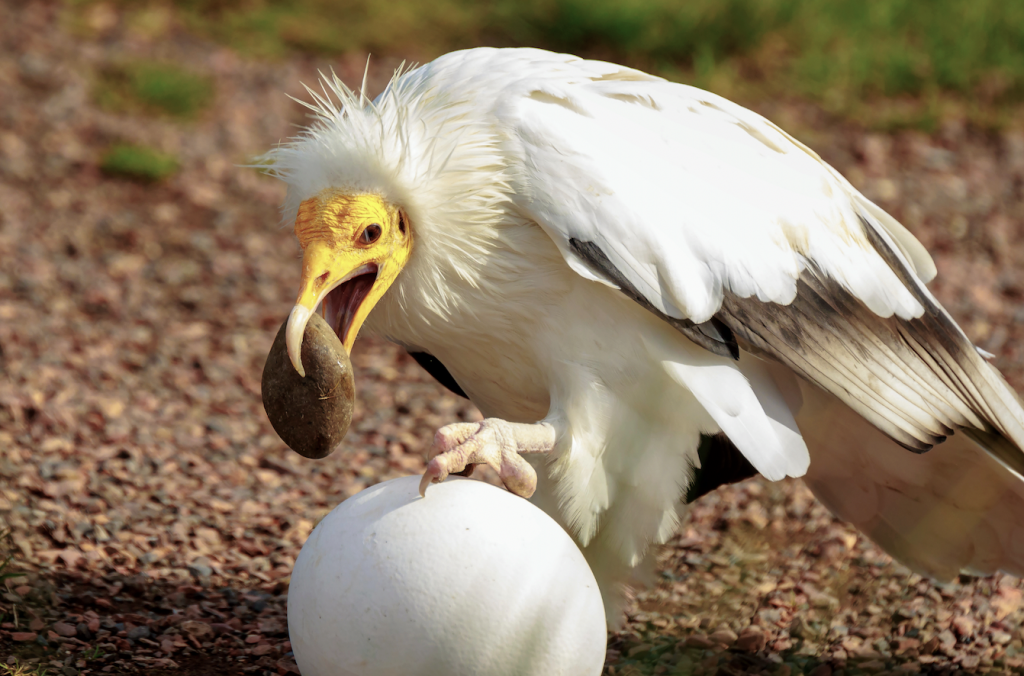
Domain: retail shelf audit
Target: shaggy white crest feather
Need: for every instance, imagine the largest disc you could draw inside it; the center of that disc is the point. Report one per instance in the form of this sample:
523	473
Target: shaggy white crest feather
503	158
415	148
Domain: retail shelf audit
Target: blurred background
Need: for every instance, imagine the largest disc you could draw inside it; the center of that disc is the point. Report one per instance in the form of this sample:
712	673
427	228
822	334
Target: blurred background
150	516
887	63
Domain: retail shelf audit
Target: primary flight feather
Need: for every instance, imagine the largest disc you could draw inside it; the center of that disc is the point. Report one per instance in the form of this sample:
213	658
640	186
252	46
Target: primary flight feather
626	275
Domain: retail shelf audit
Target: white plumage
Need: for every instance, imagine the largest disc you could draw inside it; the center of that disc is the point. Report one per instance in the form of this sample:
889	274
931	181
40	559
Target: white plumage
593	246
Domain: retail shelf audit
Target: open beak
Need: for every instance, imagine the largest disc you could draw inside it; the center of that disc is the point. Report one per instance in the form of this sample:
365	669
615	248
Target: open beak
345	283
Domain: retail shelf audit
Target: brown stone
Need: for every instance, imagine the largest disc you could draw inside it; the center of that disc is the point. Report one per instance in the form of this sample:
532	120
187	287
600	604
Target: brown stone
64	629
698	641
724	636
751	639
311	414
963	626
970	662
904	644
197	629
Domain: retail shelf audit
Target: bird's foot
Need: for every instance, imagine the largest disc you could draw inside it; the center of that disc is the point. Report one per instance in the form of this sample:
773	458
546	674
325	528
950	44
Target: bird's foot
492	442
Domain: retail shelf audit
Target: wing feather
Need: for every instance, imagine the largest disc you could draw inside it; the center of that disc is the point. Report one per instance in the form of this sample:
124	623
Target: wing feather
692	196
729	229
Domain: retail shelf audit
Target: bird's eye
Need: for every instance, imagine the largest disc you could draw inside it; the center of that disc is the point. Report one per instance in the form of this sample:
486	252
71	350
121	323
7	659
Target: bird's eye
371	234
401	222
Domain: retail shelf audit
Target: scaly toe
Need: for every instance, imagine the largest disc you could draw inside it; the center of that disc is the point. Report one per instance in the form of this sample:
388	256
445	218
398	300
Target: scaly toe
518	475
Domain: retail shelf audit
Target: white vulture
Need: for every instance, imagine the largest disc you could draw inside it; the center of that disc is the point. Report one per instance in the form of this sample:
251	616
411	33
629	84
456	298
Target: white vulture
613	267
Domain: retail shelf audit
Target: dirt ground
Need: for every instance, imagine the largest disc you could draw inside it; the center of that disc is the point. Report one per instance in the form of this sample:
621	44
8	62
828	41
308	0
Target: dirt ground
154	515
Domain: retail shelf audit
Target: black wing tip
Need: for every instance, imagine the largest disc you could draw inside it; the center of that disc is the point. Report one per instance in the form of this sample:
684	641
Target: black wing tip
726	337
713	335
919	447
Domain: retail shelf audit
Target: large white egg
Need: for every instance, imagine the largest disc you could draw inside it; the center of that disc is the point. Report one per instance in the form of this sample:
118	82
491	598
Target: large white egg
468	581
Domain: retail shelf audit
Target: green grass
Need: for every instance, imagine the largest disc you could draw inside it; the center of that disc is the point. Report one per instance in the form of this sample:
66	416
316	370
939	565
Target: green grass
6	547
909	47
841	53
153	86
274	28
93	653
138	162
19	669
654	30
845	54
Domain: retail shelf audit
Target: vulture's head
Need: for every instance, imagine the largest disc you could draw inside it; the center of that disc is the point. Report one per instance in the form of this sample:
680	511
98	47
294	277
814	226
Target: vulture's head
365	180
354	246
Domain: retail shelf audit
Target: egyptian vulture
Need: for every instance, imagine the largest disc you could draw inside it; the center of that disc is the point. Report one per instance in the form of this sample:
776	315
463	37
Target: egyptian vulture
640	283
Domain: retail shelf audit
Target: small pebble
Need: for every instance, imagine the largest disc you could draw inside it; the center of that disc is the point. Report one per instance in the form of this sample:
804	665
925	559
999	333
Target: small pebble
751	639
963	626
970	662
64	629
698	641
1000	637
139	632
197	629
724	636
199	570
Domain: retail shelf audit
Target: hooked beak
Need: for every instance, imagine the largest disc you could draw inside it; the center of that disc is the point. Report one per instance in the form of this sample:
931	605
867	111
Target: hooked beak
344	283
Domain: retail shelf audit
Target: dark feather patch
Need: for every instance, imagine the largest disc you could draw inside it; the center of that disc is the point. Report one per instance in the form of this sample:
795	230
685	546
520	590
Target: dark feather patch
721	463
713	335
830	338
435	368
917	380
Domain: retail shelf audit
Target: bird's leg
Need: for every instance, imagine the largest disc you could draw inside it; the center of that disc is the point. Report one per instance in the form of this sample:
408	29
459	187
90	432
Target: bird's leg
491	442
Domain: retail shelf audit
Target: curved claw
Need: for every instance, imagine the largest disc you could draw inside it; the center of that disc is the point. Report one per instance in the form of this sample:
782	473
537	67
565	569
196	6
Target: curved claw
434	474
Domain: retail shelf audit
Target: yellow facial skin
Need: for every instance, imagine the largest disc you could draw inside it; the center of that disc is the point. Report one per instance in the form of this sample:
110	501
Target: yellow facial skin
336	232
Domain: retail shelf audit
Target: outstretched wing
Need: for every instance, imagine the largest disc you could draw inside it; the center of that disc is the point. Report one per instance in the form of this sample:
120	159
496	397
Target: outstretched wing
715	219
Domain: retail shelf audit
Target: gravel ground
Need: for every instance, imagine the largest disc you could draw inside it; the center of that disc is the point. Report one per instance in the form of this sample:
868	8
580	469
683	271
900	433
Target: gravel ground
154	516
